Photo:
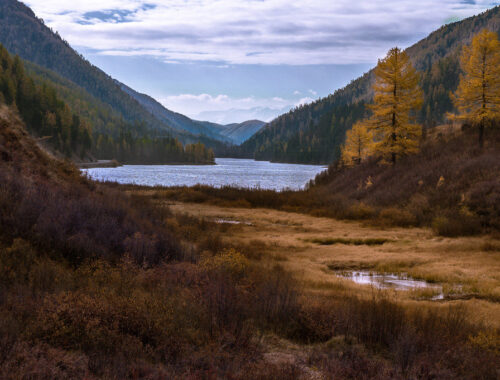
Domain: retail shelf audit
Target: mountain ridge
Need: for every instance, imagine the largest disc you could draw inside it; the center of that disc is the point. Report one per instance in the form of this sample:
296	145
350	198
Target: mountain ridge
26	35
313	133
234	133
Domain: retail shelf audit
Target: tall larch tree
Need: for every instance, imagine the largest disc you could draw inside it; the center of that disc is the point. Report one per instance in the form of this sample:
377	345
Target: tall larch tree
358	145
397	97
478	94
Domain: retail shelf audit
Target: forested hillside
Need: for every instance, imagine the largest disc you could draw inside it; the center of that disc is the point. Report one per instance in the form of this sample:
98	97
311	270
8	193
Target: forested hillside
235	133
174	119
34	92
313	133
44	113
22	33
90	91
240	132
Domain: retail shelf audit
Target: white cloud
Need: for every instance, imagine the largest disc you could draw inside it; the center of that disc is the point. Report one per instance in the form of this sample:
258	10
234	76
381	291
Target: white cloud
303	101
224	109
312	92
248	31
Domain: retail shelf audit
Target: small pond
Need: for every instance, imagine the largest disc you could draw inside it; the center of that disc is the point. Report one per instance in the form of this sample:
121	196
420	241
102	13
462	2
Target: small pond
389	281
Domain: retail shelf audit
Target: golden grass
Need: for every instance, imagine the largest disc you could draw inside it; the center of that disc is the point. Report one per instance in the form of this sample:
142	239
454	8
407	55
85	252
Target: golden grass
468	268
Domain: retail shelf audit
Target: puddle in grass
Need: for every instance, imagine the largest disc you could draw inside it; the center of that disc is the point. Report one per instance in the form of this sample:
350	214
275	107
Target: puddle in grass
228	221
391	281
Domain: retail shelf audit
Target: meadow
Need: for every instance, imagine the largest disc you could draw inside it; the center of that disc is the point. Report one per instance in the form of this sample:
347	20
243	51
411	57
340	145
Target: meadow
101	281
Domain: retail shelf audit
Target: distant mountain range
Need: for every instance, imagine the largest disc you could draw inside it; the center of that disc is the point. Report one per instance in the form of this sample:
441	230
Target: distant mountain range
313	133
224	117
22	33
240	132
235	133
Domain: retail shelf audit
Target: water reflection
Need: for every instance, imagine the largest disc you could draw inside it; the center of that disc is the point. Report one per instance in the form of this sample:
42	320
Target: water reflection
227	172
390	281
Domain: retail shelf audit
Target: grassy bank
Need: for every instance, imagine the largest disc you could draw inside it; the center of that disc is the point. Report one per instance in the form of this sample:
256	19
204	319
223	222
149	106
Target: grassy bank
450	186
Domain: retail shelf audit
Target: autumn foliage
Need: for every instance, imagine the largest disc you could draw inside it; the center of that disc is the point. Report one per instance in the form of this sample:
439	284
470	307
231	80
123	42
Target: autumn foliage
397	98
478	95
358	144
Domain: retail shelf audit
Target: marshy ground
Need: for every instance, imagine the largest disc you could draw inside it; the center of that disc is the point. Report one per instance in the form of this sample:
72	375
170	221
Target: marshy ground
316	249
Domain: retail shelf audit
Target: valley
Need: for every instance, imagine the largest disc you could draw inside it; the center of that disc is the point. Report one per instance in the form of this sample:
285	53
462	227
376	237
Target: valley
467	269
356	236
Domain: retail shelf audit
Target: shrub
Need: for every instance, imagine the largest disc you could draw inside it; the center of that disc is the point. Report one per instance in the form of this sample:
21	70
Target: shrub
460	225
79	223
275	303
16	262
396	217
225	306
43	362
360	211
228	261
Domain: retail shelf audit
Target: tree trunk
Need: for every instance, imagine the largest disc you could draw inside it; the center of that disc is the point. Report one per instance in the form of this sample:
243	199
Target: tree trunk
393	154
481	134
481	124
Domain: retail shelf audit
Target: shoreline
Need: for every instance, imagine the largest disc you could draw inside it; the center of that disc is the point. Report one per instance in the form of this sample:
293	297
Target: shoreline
98	164
114	164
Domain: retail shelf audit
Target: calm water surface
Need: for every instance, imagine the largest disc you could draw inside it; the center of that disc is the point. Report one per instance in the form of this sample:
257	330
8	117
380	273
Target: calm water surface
228	171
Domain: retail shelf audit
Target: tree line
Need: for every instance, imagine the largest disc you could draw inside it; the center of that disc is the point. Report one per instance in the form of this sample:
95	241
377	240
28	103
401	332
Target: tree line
321	126
391	130
48	117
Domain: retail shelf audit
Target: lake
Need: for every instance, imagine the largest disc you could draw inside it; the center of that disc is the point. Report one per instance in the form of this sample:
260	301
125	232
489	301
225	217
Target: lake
228	171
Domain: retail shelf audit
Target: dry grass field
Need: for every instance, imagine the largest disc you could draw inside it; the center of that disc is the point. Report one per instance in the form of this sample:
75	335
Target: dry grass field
467	268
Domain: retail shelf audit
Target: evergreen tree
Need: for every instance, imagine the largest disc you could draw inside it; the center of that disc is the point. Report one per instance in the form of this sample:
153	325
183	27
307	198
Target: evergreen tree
478	95
397	96
358	145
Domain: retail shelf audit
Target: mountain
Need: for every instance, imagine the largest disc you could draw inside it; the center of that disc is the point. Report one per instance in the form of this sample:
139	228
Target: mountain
313	133
174	119
234	133
240	132
228	116
36	95
22	33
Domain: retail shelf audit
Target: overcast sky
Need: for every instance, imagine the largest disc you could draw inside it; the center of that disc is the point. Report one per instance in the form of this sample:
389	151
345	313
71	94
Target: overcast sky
232	60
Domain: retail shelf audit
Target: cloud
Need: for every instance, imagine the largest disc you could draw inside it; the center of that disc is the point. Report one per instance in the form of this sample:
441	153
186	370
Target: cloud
312	92
226	109
251	31
303	101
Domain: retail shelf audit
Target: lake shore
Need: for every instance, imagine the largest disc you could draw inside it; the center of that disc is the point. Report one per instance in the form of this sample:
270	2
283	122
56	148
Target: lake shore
98	164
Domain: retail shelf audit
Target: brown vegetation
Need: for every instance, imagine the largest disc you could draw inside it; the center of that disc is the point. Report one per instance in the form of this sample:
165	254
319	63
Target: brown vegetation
97	283
449	185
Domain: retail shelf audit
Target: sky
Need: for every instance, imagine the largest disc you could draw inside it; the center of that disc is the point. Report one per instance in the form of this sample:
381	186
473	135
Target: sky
233	60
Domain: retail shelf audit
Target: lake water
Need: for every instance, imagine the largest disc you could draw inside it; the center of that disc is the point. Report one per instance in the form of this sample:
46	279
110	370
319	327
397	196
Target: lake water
228	171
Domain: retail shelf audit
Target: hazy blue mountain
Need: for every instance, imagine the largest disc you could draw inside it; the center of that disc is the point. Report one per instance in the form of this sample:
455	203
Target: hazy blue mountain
234	133
240	132
174	119
255	113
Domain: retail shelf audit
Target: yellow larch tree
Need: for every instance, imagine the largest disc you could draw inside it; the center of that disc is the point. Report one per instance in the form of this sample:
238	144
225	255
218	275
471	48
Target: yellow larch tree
478	94
358	144
397	94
